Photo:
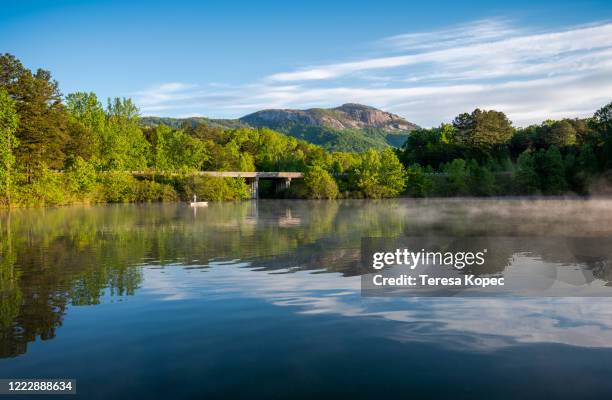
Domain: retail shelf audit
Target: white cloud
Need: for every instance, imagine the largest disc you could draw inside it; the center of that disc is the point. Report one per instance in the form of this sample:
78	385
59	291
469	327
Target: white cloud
436	75
541	49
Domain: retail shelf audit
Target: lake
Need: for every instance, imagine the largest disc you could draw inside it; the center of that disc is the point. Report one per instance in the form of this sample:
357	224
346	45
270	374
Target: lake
262	299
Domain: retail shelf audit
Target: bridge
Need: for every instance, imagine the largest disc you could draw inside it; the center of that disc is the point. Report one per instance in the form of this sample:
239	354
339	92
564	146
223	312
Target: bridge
282	179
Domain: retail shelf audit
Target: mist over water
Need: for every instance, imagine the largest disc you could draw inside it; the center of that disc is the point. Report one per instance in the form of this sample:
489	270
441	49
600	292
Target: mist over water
264	297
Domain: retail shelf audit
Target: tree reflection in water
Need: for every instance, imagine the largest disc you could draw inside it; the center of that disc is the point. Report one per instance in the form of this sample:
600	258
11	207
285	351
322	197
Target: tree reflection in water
53	258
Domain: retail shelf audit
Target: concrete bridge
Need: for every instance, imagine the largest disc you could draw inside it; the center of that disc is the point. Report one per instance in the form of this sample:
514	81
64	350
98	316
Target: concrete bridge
282	179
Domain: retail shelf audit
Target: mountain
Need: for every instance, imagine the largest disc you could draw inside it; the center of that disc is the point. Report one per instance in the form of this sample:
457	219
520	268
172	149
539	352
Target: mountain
350	127
179	122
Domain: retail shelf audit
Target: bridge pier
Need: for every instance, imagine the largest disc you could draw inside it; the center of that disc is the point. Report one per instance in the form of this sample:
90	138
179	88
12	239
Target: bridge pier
282	184
254	183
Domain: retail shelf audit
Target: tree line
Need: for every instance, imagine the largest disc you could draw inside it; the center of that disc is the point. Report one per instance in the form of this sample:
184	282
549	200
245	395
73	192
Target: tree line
482	154
57	149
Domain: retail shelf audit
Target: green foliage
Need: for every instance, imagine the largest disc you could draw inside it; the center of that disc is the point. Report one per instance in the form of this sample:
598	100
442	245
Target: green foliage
433	147
482	129
8	142
602	120
220	189
346	140
42	117
481	180
419	183
552	171
380	174
320	184
174	150
46	189
117	187
121	187
457	177
123	145
81	176
526	176
587	160
560	134
147	191
80	151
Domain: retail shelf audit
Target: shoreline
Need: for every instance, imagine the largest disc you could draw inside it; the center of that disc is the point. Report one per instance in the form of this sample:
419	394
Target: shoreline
4	208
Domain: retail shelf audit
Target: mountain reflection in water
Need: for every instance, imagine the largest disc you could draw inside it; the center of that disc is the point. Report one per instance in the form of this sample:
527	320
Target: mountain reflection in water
299	255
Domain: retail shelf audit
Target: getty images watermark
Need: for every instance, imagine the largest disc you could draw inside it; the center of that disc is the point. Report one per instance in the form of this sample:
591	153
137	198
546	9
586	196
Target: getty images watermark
458	260
486	266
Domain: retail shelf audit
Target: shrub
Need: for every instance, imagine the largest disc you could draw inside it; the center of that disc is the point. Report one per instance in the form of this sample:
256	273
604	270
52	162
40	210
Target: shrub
320	184
47	188
419	183
81	176
118	187
219	189
153	191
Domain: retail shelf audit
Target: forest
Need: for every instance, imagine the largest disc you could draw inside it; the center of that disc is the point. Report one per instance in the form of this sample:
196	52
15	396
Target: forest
60	149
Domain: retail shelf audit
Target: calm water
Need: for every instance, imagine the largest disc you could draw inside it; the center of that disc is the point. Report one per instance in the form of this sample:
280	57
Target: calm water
262	300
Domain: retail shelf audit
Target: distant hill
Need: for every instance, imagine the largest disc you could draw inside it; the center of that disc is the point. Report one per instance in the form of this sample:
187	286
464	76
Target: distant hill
179	122
350	127
353	127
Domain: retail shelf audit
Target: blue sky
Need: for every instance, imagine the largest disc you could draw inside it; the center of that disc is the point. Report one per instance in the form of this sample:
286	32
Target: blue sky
425	61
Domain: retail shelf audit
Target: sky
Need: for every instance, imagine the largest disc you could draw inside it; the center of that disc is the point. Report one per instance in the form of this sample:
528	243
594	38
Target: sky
425	61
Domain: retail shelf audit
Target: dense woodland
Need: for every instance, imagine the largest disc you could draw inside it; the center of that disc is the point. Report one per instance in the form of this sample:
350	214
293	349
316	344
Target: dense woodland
57	149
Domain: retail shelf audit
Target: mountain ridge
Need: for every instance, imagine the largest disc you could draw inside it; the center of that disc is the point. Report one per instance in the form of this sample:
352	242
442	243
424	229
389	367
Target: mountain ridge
349	127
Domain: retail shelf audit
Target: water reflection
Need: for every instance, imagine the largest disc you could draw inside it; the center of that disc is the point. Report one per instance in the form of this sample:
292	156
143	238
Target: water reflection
52	259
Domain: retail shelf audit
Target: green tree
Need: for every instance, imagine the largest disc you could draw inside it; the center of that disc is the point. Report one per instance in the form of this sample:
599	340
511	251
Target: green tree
320	184
482	129
42	117
380	174
587	160
392	173
8	142
87	126
559	133
123	145
81	176
526	176
552	171
481	179
160	158
457	177
602	120
418	182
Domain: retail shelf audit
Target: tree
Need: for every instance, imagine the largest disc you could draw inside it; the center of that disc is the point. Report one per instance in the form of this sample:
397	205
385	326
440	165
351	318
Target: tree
456	179
418	183
320	184
81	176
552	171
87	125
392	176
380	174
8	142
559	133
482	129
160	158
587	160
433	146
602	120
123	145
481	179
42	117
526	175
